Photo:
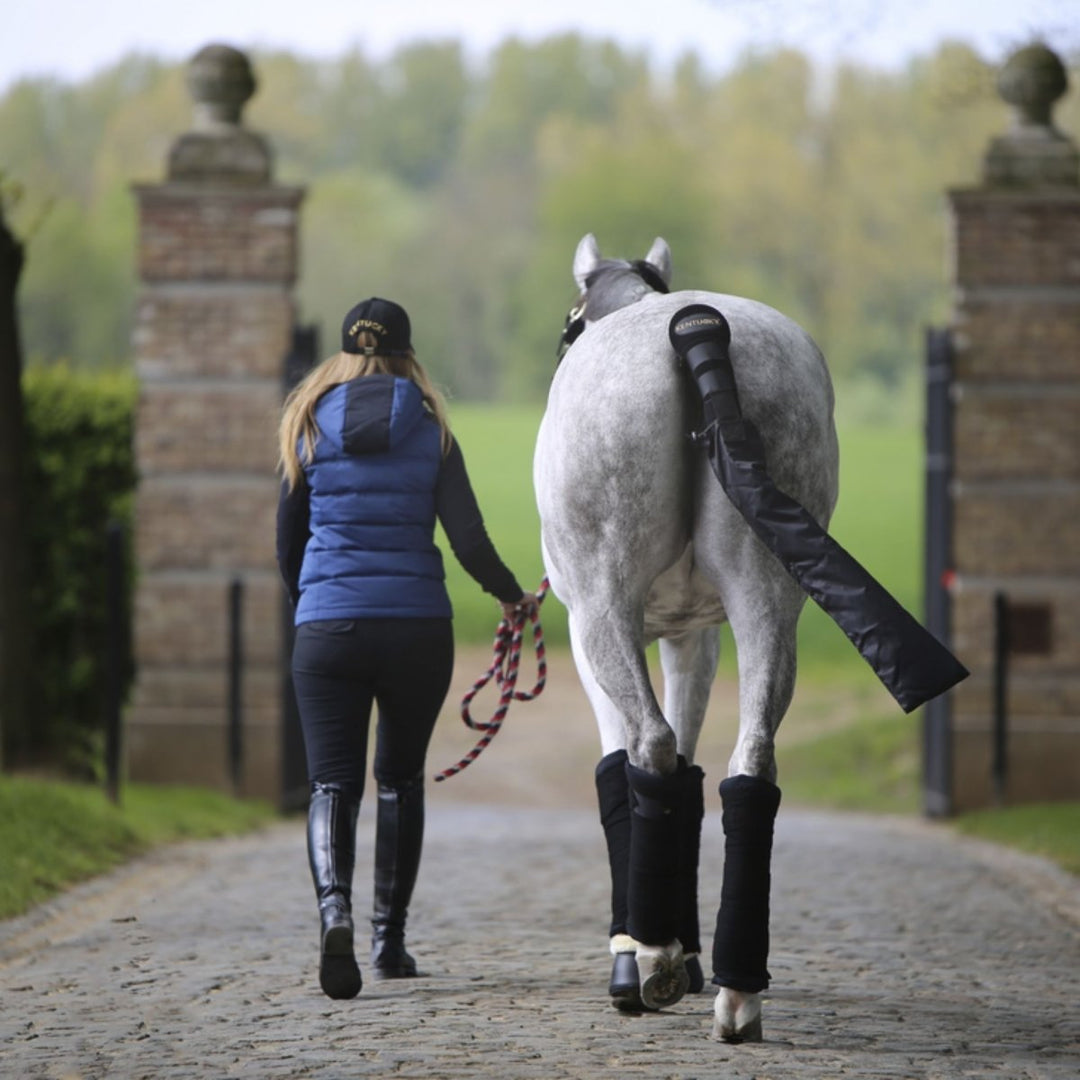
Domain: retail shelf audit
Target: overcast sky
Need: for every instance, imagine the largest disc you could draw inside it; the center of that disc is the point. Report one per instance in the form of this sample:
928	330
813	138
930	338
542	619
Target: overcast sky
71	39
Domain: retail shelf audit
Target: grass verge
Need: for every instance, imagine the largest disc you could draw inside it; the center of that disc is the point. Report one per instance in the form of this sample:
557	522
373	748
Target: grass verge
1048	829
54	834
873	765
870	765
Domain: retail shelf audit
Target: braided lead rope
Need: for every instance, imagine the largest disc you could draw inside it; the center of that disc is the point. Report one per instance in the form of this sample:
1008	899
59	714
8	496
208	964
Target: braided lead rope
504	670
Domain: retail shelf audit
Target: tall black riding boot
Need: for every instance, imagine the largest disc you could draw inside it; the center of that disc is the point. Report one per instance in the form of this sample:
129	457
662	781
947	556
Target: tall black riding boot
331	840
399	838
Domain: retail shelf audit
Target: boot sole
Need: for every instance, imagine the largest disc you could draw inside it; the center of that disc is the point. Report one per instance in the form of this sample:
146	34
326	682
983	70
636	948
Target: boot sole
339	975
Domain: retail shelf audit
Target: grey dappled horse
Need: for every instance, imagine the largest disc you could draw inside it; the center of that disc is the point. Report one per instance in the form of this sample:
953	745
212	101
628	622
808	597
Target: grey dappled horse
641	543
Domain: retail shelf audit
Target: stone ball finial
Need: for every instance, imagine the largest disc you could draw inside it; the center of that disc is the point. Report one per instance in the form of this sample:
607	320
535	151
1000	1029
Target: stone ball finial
219	149
1033	152
1031	81
221	83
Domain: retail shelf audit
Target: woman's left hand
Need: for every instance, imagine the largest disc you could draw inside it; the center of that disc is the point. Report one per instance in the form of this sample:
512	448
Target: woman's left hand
520	608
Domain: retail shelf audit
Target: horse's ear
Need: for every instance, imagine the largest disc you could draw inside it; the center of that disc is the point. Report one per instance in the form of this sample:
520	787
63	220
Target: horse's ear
660	257
586	259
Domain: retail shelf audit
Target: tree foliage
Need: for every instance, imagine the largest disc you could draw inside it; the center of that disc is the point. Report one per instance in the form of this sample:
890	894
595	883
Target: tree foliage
14	598
80	476
462	189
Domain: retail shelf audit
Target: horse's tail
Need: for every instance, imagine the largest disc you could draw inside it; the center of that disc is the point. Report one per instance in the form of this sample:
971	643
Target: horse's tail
912	664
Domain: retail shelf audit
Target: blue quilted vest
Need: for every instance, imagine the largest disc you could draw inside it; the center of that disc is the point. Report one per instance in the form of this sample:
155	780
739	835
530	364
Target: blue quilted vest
371	553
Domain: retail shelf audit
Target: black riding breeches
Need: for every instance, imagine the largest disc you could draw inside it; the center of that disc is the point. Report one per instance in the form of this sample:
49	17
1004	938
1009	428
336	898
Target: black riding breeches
341	667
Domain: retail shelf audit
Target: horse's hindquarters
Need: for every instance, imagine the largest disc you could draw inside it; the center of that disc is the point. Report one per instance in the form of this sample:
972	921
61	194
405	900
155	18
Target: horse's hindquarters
612	470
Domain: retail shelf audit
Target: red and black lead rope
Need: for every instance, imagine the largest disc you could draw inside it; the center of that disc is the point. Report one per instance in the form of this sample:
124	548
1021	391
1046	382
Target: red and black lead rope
504	670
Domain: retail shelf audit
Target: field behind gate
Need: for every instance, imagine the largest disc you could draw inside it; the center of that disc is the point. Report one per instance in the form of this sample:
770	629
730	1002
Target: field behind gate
878	518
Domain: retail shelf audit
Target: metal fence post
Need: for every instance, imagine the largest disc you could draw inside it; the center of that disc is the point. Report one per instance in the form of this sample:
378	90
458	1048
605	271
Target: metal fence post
999	762
115	639
236	675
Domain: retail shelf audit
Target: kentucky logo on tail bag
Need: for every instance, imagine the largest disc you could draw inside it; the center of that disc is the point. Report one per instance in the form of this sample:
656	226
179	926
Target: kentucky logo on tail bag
911	663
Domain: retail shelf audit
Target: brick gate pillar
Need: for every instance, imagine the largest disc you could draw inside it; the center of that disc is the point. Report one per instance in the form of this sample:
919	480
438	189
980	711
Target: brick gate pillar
1016	494
217	260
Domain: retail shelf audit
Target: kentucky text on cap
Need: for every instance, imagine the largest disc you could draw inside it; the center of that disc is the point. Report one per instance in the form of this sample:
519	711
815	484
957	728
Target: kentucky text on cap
386	321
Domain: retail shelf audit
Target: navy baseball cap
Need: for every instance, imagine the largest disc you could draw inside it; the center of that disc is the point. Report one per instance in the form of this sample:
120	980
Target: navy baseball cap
387	321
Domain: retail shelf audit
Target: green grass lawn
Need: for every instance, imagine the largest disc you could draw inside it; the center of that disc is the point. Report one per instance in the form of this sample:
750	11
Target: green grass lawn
53	834
873	765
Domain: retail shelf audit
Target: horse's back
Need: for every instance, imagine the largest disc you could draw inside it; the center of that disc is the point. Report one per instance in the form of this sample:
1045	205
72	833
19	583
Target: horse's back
619	482
621	395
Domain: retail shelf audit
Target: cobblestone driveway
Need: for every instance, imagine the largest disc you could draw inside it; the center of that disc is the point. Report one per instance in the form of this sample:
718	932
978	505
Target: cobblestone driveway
898	951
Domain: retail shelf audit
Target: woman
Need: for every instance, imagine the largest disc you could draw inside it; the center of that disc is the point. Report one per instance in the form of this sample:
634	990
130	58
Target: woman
368	466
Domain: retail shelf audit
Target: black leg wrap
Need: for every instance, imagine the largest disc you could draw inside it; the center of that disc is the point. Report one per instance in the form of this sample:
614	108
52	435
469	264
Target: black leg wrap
741	942
613	795
691	813
653	906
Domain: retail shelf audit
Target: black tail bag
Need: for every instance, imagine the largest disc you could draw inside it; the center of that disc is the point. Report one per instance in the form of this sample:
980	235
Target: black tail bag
911	663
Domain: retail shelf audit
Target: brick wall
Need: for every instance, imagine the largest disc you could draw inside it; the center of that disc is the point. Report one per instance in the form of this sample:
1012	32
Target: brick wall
1016	490
213	323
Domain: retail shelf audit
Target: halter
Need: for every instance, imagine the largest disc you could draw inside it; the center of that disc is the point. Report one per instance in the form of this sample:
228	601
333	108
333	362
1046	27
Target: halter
574	326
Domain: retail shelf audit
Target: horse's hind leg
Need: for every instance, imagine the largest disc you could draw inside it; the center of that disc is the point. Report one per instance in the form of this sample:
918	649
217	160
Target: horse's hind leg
689	665
612	653
764	627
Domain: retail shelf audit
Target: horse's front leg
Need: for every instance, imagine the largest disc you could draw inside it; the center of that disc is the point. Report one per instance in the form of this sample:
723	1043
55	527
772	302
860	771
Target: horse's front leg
764	627
642	794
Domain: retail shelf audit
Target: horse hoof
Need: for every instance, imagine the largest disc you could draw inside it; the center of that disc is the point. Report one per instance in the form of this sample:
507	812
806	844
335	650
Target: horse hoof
664	988
696	975
750	1033
738	1016
664	978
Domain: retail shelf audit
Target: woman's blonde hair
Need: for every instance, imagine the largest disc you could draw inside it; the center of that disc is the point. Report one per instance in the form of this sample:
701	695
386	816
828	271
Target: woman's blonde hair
298	414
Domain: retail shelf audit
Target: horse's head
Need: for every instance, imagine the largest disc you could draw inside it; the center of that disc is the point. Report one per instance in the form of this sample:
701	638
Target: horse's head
609	284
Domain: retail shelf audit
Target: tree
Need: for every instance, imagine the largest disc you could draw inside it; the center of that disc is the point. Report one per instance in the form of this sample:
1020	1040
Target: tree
13	582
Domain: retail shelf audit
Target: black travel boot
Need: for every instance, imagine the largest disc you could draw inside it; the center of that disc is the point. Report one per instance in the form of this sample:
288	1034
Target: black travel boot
399	838
613	796
741	941
654	904
331	853
691	813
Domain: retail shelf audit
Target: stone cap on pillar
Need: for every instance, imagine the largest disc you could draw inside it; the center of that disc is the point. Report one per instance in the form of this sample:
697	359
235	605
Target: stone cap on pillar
219	149
1033	152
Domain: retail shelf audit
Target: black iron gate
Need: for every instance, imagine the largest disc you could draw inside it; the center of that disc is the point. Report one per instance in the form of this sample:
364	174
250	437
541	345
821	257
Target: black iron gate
299	360
937	713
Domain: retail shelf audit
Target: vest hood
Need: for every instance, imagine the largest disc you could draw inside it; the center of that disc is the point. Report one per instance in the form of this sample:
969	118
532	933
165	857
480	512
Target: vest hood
371	414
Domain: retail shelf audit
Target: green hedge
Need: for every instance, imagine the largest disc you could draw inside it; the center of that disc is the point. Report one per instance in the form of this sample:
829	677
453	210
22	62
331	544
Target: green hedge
80	476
